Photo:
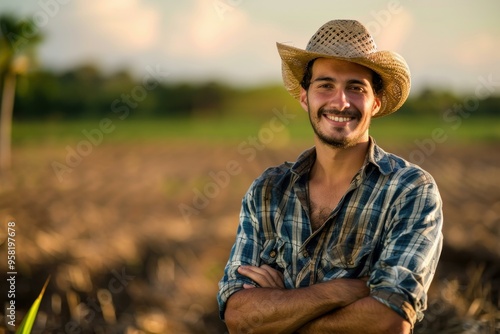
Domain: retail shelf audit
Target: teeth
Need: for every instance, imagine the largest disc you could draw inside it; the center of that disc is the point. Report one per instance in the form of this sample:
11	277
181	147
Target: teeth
338	119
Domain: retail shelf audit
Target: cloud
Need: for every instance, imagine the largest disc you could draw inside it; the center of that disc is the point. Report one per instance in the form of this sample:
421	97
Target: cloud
112	34
128	25
230	45
393	31
481	49
205	30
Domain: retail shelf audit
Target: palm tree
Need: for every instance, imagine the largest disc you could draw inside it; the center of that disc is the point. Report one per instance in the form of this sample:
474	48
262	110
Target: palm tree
18	40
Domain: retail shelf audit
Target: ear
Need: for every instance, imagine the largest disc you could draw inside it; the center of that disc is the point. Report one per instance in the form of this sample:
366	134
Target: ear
377	103
304	102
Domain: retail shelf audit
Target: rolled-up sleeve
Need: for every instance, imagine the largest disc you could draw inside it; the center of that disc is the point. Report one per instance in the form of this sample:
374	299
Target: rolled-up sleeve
411	249
245	251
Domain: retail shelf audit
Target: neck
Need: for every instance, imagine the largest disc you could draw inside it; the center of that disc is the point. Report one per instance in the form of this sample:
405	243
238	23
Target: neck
334	165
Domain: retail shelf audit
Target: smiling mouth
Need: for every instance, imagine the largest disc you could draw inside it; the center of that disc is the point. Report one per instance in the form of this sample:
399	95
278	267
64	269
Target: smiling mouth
340	119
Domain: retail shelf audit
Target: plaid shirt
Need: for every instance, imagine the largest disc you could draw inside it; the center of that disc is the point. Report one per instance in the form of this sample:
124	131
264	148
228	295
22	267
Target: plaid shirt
387	226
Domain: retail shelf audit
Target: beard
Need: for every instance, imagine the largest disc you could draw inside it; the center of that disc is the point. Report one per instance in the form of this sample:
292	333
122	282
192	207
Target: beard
340	141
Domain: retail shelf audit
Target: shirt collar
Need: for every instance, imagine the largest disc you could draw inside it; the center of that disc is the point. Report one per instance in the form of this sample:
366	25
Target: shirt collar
304	162
376	156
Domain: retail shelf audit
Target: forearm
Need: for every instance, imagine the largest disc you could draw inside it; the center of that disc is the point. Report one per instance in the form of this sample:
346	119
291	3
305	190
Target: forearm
366	315
269	310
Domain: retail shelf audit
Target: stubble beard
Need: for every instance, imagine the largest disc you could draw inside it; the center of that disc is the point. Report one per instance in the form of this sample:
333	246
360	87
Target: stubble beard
339	143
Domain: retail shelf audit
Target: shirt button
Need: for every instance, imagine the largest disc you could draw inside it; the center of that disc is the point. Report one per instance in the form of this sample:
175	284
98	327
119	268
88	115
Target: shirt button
273	253
305	253
350	262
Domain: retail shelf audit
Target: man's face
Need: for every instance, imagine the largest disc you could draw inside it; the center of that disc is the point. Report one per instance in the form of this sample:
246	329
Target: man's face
340	102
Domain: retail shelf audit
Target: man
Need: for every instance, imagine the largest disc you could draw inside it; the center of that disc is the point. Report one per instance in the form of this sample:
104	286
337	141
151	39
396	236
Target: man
347	238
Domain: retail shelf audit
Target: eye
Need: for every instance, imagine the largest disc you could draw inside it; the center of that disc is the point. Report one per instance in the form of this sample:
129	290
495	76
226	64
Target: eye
357	89
325	85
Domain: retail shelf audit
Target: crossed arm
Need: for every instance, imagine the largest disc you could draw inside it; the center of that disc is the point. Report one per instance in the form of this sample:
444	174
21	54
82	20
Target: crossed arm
337	306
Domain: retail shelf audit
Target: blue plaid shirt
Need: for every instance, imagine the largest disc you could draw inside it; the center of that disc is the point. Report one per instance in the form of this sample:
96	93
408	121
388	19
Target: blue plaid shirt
387	226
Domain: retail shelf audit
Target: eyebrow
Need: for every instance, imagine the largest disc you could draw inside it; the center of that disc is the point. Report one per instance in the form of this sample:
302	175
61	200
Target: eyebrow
325	79
350	81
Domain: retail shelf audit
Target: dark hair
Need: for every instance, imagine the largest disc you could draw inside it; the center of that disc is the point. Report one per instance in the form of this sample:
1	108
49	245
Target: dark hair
306	79
377	82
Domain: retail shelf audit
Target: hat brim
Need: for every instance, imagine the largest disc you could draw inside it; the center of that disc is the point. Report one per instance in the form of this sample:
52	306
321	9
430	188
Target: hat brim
391	67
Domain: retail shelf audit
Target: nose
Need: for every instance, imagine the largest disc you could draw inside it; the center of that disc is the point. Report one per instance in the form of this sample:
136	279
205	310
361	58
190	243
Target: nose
339	100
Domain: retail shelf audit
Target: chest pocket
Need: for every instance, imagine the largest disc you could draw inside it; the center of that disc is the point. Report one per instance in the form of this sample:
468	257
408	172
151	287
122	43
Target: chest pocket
273	253
278	254
349	258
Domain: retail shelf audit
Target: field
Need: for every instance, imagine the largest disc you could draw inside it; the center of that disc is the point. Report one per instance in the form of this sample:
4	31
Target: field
133	222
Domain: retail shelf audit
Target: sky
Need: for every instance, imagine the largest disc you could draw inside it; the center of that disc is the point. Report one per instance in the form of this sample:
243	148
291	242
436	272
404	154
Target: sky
450	44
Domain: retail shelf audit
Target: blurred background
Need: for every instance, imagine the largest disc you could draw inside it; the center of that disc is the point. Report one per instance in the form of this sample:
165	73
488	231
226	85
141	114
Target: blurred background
130	130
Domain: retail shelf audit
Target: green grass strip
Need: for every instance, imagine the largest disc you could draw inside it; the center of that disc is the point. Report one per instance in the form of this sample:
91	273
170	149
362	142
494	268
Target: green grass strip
388	129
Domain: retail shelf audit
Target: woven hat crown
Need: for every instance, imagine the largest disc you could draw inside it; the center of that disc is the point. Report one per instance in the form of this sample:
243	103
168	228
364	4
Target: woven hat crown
342	38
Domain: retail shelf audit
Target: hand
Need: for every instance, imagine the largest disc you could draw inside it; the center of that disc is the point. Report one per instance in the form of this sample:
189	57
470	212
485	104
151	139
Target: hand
264	276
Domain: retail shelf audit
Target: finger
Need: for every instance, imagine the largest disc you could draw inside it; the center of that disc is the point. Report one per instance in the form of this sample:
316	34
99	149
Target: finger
258	275
248	286
264	275
275	275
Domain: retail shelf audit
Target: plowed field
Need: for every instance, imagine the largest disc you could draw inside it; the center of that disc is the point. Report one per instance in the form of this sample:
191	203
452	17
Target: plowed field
135	237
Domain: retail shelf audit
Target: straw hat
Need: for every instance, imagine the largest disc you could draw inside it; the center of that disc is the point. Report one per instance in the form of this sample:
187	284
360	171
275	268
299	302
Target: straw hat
349	40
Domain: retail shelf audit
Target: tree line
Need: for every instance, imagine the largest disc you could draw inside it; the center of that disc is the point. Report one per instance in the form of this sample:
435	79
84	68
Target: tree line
85	92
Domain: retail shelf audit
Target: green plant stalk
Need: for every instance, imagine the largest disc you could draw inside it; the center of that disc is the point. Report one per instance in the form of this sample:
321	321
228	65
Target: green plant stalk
29	319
